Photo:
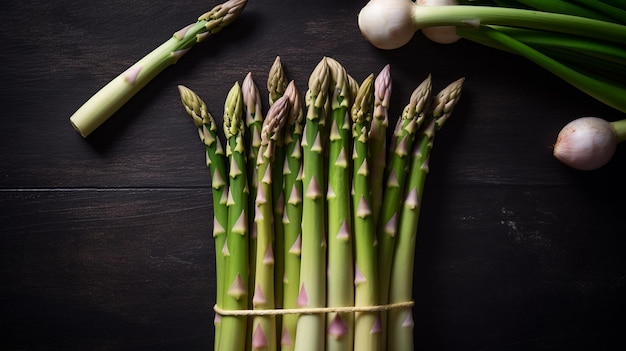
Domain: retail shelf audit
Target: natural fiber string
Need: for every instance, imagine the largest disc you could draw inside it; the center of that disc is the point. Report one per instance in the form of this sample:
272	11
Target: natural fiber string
316	310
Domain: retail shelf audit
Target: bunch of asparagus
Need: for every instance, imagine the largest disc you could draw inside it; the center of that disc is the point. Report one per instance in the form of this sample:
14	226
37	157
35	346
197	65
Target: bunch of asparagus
315	211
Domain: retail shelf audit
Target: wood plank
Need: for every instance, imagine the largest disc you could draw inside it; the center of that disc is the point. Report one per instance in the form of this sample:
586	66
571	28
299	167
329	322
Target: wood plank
107	269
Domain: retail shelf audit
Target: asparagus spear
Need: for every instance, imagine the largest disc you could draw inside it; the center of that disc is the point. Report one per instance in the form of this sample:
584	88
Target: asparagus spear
310	329
264	327
116	93
400	322
340	326
252	108
367	333
378	138
276	85
236	251
216	162
395	174
292	193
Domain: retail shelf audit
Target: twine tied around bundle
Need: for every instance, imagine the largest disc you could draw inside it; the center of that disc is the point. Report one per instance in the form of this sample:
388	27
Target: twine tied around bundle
312	310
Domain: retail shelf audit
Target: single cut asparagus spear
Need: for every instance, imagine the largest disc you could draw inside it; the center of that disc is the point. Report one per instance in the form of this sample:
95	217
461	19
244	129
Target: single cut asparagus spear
400	321
216	162
292	219
340	290
234	328
395	174
264	327
311	327
378	138
116	93
368	327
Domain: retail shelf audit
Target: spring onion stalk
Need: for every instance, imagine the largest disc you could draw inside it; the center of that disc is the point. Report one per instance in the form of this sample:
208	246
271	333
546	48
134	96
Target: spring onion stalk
589	143
567	43
395	175
367	325
389	24
236	250
264	335
610	93
340	288
311	327
616	3
400	321
565	7
276	85
378	138
617	13
292	193
216	162
116	93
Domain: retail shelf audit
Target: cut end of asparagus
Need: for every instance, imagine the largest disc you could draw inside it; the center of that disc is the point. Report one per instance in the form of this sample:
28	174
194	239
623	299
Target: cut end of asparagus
78	128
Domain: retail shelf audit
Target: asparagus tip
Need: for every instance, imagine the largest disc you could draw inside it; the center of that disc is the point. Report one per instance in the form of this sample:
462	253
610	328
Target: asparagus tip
222	15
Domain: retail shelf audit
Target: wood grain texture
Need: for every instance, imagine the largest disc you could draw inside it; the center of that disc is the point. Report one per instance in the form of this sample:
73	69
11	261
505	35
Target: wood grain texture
105	243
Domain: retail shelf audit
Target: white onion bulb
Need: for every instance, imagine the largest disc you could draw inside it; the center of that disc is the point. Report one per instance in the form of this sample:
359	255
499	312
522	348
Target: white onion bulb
440	34
586	143
387	24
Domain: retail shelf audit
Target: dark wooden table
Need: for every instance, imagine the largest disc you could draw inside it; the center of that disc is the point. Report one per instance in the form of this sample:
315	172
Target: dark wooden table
105	243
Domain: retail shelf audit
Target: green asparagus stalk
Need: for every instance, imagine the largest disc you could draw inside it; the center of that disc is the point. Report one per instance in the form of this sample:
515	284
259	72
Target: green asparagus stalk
276	81
276	85
236	251
368	327
311	327
216	162
252	109
378	138
116	93
292	193
340	290
264	326
396	171
400	321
